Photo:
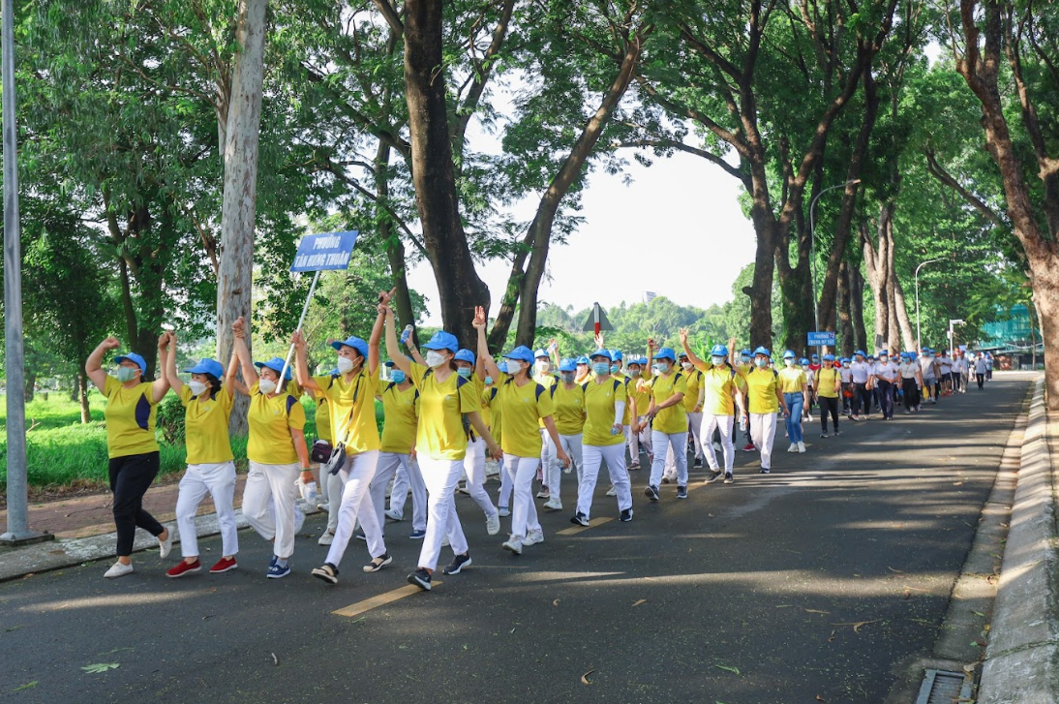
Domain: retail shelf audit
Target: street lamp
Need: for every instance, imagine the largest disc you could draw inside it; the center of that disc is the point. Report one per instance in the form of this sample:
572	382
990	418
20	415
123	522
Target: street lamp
919	337
951	324
812	241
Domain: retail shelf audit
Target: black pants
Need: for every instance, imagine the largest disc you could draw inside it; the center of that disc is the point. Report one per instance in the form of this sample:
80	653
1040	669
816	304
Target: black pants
886	397
130	477
981	379
828	405
861	399
911	392
955	381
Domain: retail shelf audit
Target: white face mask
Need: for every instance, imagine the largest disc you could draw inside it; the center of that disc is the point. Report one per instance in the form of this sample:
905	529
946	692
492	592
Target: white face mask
513	367
686	365
717	361
197	387
544	366
266	386
435	359
345	364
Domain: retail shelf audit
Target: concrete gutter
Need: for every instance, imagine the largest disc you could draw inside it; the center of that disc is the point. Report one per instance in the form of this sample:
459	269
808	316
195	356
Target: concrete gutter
1022	658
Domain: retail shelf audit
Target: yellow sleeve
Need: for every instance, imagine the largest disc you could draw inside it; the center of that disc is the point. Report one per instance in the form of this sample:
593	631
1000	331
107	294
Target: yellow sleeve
296	415
469	400
680	386
184	395
545	406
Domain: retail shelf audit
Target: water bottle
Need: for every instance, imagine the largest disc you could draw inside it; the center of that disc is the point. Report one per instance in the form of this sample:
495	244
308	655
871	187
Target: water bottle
742	424
407	334
308	492
614	431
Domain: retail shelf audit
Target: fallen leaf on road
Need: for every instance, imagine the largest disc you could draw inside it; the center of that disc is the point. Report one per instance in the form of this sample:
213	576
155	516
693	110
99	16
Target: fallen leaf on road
970	668
584	677
893	570
820	699
555	603
28	685
99	667
641	601
275	660
816	611
729	668
907	594
957	483
978	613
831	638
857	625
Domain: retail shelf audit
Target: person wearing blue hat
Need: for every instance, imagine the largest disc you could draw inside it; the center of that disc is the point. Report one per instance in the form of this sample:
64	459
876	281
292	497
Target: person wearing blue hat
885	373
668	418
861	374
210	462
722	396
543	375
132	447
846	375
693	404
764	399
568	400
828	389
523	404
449	403
911	382
468	367
639	396
795	388
276	449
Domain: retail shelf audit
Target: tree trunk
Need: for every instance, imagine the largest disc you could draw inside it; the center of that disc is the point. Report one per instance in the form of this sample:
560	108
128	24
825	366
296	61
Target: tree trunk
876	263
433	176
856	308
760	289
29	384
131	328
908	335
845	320
82	396
239	203
395	252
541	227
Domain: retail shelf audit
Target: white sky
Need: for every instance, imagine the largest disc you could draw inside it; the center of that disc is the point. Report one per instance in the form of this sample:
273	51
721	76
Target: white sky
676	230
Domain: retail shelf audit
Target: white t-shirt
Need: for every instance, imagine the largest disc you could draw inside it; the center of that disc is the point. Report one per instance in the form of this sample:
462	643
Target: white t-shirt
908	370
845	374
946	365
980	366
887	371
927	365
860	372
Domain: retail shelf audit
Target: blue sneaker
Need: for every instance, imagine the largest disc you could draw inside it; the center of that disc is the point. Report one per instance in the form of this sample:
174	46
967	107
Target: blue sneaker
278	571
272	562
417	534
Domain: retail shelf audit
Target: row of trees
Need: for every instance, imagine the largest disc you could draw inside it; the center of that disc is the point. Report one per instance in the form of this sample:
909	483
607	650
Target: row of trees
179	141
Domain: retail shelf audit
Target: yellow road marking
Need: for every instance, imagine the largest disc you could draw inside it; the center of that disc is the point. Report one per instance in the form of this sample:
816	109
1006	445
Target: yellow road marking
574	530
380	600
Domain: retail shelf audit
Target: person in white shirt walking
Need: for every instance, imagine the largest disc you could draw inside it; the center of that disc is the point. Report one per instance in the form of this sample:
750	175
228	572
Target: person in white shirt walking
980	370
886	373
860	373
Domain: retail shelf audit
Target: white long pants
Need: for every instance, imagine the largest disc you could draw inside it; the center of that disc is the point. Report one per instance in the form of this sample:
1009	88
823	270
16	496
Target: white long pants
695	425
474	469
507	486
678	443
385	472
724	426
634	440
441	477
217	480
357	474
763	432
276	482
334	499
524	513
614	456
409	475
547	455
553	474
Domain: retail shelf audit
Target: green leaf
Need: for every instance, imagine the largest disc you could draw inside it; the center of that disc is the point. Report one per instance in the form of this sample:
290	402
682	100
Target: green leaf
28	685
100	667
729	668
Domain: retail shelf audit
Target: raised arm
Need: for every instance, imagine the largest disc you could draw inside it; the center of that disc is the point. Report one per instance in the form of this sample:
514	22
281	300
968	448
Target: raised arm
393	349
160	386
301	363
94	363
230	381
169	369
376	333
484	357
243	354
692	357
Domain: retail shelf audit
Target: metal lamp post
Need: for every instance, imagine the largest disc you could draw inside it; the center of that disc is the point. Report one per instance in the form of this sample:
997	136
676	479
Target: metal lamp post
812	242
953	323
919	336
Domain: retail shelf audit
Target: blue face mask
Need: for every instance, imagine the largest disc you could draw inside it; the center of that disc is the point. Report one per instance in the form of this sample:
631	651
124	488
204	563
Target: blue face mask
127	374
745	359
762	362
615	368
465	372
567	377
600	368
398	377
489	381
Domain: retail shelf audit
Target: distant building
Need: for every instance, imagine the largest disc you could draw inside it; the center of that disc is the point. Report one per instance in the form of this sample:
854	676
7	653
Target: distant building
1012	341
649	296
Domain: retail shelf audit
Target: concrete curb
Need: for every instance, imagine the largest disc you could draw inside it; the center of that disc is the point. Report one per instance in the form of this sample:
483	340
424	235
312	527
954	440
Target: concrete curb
45	557
1022	658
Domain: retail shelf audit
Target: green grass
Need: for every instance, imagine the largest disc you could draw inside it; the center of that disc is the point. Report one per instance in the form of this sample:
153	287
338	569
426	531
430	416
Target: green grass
60	450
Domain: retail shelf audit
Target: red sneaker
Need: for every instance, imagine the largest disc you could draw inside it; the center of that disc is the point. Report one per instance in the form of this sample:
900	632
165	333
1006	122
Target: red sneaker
223	565
749	447
182	568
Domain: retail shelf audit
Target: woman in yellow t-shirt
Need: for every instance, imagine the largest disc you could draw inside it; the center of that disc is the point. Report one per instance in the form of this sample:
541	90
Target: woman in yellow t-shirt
568	401
605	402
828	387
467	367
795	388
446	402
211	469
639	429
276	449
524	404
764	399
131	445
400	406
669	419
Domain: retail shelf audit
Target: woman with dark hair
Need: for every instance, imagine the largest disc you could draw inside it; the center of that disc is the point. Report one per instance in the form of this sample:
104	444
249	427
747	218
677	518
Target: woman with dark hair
131	445
211	469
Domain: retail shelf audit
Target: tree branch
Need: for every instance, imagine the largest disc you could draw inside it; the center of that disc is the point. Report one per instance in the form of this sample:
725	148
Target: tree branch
945	178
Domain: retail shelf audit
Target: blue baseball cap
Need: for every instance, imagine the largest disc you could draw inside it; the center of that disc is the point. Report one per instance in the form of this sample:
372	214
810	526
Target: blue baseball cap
719	351
829	358
541	353
803	361
666	353
207	366
789	354
567	365
883	352
762	350
276	365
464	356
635	360
442	340
582	360
601	353
521	353
352	341
860	353
844	360
615	355
132	357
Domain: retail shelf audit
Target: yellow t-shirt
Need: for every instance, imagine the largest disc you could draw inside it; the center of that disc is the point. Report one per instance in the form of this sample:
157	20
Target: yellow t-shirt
640	391
270	421
691	398
523	407
360	433
484	396
720	383
673	419
599	402
825	382
206	426
401	410
548	381
442	405
323	417
569	406
791	380
130	416
761	391
494	411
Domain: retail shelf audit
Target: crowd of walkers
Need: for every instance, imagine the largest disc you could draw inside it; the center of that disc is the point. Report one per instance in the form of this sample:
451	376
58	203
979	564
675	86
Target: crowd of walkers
544	418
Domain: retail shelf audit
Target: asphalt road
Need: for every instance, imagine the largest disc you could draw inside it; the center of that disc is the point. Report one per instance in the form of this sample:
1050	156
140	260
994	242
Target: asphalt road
819	582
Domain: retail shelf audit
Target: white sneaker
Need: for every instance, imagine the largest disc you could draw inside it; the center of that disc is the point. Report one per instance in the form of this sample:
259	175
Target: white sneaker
793	447
801	447
612	491
118	570
164	546
542	494
514	545
492	524
503	512
553	504
326	538
534	537
393	515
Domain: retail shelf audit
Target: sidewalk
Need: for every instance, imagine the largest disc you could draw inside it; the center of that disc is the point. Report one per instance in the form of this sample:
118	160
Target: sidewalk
1022	657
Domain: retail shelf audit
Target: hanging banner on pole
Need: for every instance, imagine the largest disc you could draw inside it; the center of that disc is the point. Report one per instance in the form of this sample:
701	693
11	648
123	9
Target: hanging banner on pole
327	252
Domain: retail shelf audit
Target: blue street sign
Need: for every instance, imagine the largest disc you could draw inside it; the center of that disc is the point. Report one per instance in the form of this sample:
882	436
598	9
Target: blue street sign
821	339
325	252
